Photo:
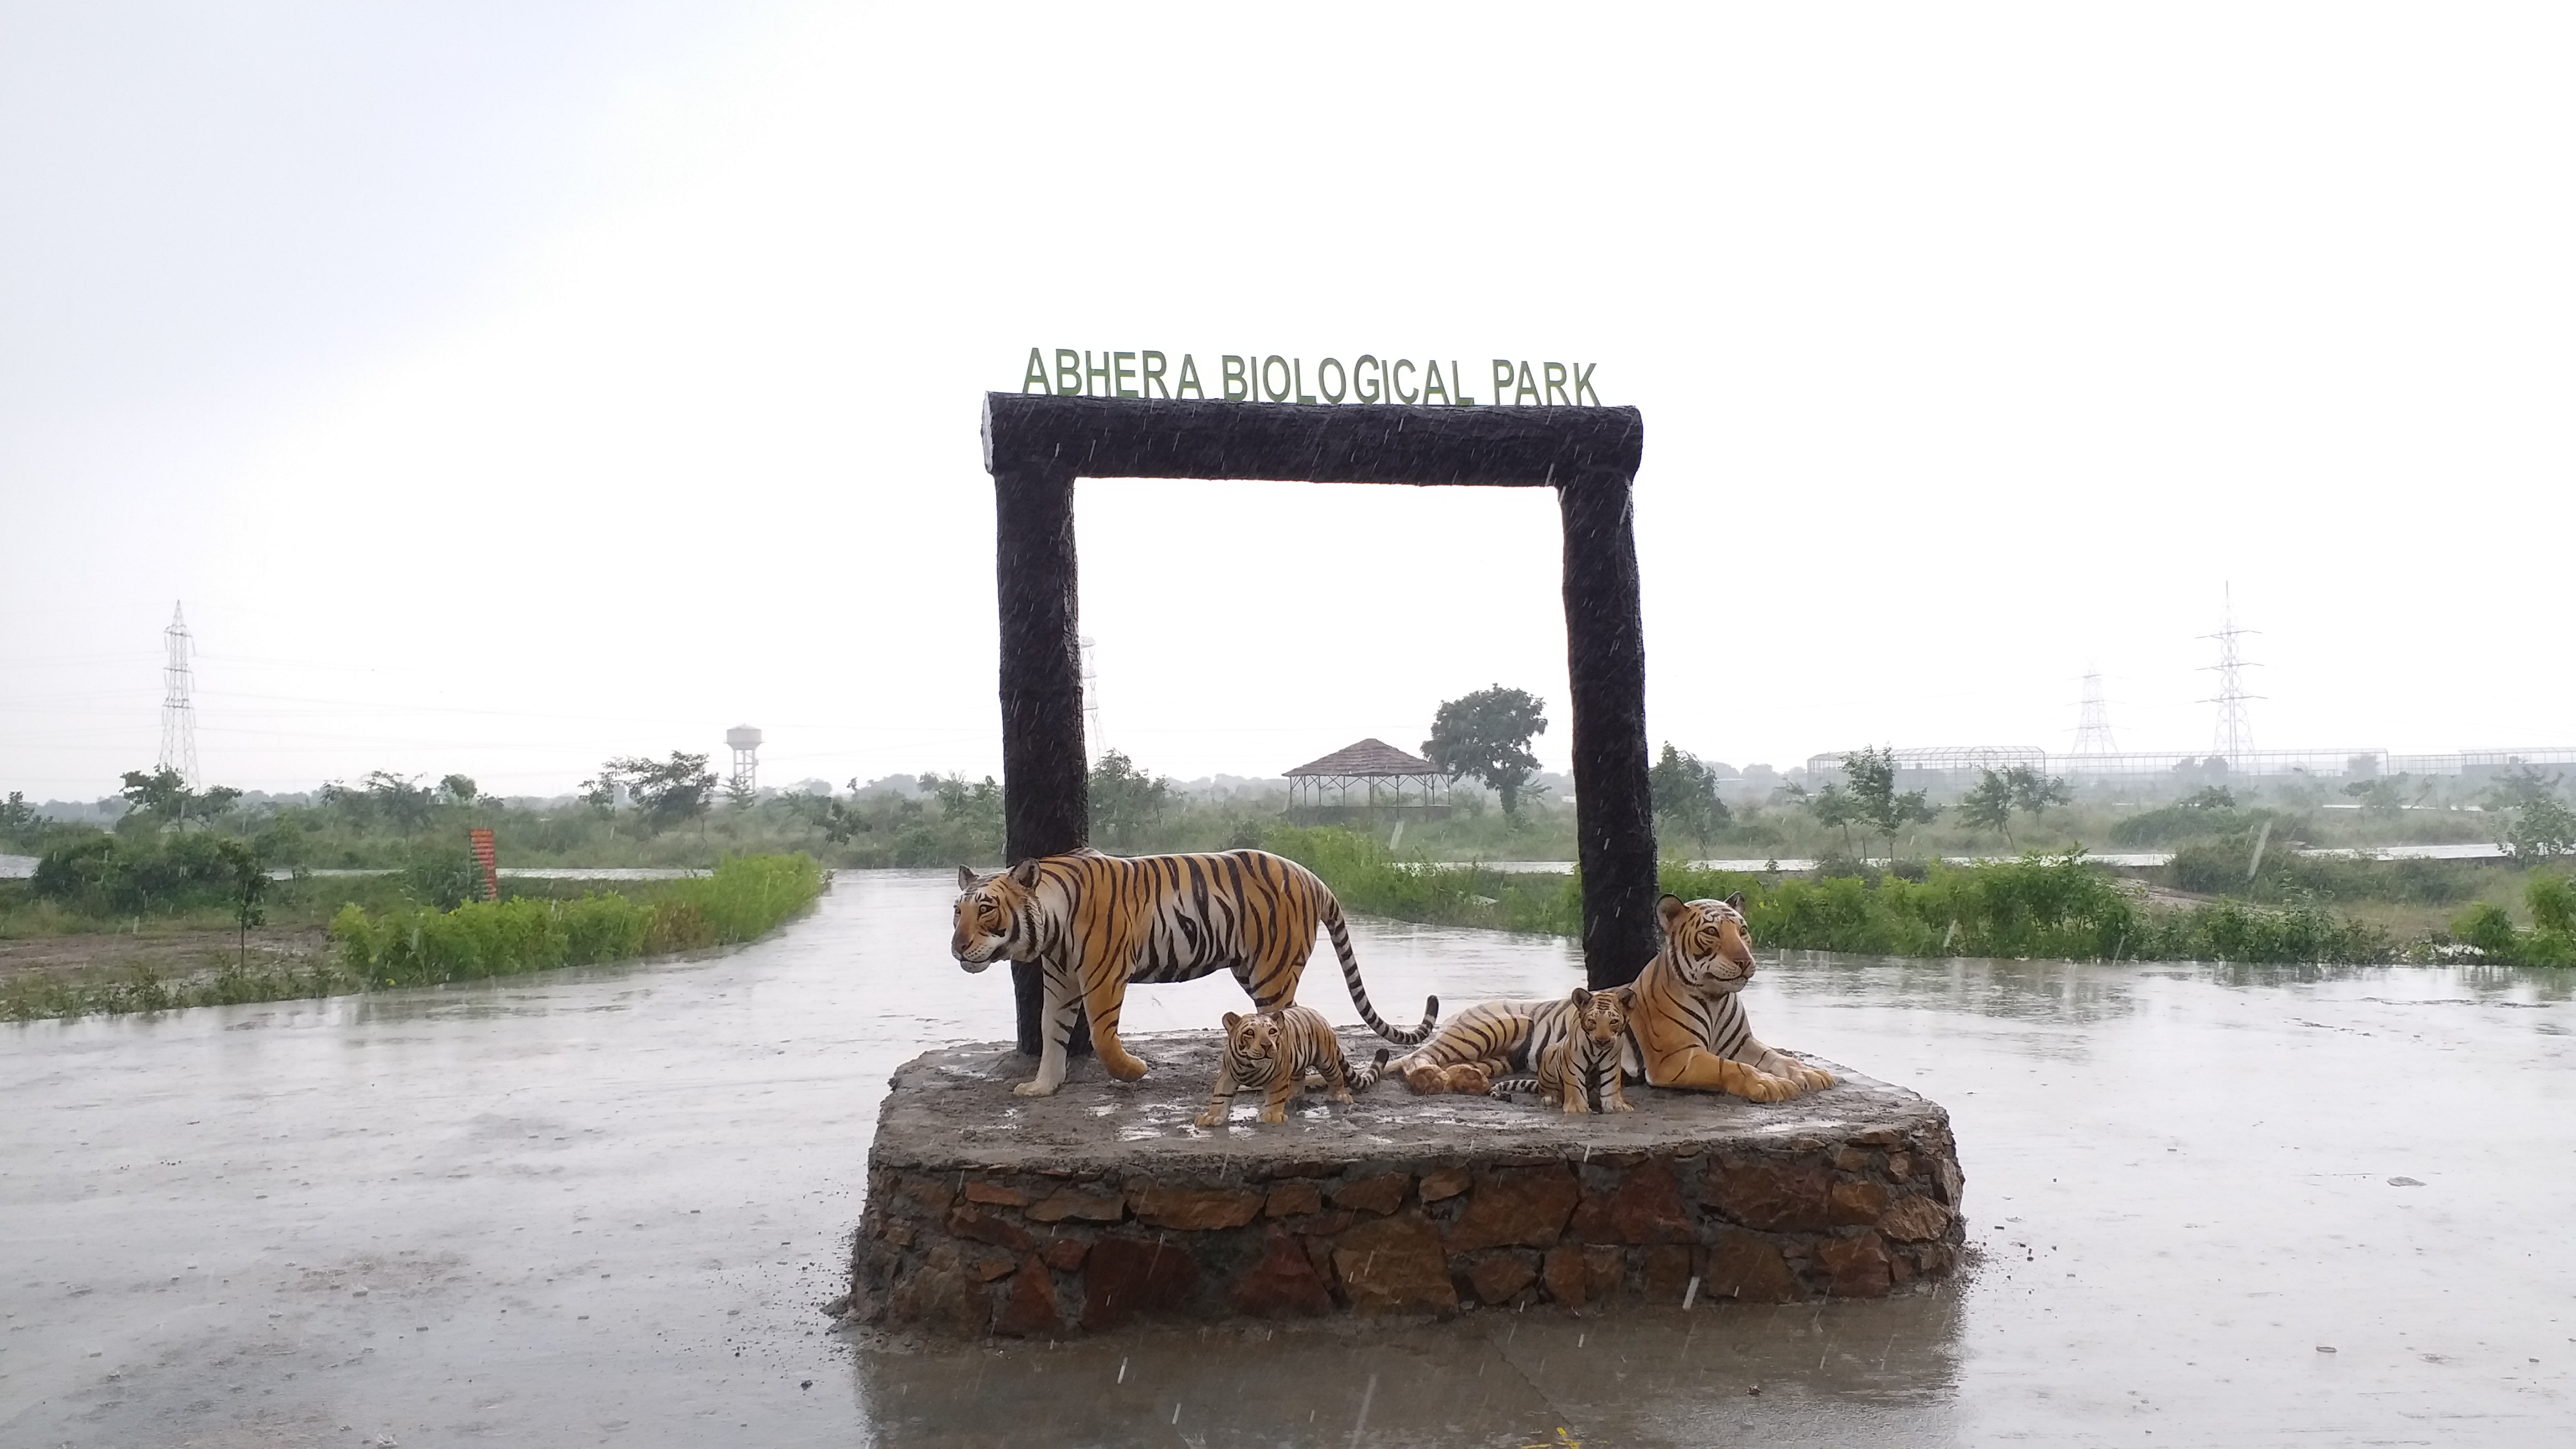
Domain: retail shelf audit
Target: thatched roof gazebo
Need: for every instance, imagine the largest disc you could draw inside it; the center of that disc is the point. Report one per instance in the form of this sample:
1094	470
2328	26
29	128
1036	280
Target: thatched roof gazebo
1395	783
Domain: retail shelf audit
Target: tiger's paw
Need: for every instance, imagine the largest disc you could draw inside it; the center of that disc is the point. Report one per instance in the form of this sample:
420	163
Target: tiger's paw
1759	1088
1124	1067
1212	1117
1274	1114
1034	1089
1812	1079
1623	1105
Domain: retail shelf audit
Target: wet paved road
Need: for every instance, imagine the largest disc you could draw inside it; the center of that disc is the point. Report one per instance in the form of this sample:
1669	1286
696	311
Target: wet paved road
600	1207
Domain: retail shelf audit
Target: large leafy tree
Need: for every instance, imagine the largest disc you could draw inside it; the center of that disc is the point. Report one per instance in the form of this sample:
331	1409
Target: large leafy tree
1989	806
666	792
1124	799
164	797
1486	736
1684	789
399	800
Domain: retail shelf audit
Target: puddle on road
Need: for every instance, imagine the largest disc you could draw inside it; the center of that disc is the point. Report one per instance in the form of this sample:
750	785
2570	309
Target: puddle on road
608	1203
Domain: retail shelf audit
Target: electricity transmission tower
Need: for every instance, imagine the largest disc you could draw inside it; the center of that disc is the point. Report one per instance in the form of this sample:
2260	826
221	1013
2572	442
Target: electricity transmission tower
2235	732
2093	727
178	711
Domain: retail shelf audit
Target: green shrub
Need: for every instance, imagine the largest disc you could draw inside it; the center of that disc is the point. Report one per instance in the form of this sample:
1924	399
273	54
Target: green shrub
744	898
100	874
2551	941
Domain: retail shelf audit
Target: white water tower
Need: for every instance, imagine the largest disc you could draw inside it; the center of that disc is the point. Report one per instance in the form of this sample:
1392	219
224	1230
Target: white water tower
744	741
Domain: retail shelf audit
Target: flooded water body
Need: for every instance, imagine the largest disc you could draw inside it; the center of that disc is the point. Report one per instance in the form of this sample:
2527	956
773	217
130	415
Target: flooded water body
2208	1205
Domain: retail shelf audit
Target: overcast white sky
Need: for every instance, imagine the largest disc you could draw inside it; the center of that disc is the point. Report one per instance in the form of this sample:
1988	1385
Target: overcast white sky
504	386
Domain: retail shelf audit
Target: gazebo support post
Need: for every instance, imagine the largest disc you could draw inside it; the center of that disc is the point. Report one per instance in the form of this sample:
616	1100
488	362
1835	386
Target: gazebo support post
1605	647
1046	782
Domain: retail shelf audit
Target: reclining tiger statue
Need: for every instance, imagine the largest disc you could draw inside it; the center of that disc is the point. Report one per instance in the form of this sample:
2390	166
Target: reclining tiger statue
1277	1052
1092	923
1686	1025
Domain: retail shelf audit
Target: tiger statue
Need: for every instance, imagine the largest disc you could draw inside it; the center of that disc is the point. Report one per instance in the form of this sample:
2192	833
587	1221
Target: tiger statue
1095	922
1686	1027
1277	1052
1582	1071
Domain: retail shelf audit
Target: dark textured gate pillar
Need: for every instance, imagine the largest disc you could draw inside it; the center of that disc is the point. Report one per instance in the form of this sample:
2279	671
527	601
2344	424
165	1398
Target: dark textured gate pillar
1035	446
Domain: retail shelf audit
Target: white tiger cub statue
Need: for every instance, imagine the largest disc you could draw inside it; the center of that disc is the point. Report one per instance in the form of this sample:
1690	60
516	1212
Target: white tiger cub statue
1277	1052
1581	1071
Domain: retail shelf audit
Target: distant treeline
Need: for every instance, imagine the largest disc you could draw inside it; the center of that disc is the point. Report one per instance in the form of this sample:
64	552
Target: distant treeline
2037	906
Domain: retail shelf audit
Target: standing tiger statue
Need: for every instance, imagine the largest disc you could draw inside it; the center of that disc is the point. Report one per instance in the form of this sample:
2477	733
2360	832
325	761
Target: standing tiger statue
1274	1052
1686	1025
1095	922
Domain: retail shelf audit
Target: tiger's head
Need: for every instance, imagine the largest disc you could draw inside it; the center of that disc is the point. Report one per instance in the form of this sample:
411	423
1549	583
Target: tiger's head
988	907
1708	941
1603	1015
1253	1038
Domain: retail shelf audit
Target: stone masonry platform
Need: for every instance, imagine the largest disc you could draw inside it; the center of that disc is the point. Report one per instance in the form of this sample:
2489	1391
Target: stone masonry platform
1046	1217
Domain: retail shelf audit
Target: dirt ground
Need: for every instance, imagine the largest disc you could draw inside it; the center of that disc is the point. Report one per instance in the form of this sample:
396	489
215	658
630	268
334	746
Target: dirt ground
169	952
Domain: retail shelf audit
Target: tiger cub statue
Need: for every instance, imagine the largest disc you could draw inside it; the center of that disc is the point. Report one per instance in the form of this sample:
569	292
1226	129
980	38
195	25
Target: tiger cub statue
1582	1072
1277	1051
1686	1026
1092	923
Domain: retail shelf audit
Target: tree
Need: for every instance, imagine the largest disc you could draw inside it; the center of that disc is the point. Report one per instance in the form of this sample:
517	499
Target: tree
2381	796
1832	807
398	800
666	792
164	797
17	817
1485	736
459	789
1124	798
2034	792
1684	789
974	808
2540	829
1989	806
1871	777
246	885
2521	785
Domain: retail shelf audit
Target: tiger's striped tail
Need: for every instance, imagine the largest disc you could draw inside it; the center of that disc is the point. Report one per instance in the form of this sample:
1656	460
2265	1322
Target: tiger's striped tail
1504	1087
1363	1078
1341	935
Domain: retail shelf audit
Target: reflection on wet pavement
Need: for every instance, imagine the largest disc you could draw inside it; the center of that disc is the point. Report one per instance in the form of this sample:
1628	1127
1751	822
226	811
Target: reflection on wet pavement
2207	1204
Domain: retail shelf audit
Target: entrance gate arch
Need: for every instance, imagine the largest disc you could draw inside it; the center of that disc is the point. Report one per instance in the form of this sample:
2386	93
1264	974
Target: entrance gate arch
1035	446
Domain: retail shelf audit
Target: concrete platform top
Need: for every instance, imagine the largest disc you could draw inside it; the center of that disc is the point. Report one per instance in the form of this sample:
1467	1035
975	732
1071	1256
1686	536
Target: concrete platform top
954	1108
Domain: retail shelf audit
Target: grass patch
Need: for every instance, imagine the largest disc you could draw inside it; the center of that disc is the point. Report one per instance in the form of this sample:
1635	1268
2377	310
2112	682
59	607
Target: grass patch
2039	906
746	897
